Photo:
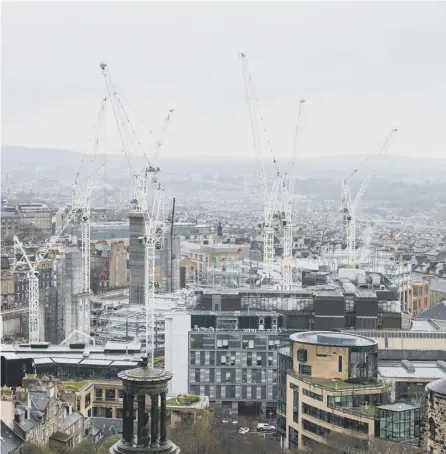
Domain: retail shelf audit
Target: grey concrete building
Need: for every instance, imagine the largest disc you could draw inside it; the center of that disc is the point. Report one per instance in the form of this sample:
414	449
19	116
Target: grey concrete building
9	222
37	214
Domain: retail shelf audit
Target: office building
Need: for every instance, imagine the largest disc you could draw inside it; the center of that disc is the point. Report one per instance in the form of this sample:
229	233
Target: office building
335	390
231	357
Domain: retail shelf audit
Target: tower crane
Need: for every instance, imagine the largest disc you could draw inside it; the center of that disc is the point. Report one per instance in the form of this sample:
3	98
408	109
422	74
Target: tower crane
82	205
147	199
270	194
33	287
278	196
349	208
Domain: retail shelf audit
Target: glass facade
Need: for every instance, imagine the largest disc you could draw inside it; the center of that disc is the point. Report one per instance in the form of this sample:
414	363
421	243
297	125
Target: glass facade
285	363
340	421
399	425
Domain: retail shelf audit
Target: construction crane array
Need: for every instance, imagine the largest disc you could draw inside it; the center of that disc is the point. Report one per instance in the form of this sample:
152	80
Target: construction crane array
147	199
349	208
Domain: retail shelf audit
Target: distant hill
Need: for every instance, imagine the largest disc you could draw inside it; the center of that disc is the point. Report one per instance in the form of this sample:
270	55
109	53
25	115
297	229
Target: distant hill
62	164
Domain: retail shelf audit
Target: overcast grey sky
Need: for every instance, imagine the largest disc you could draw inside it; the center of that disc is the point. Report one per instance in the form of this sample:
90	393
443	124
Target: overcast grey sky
362	67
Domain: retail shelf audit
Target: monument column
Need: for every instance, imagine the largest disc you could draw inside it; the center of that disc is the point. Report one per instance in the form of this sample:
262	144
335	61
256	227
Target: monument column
163	428
154	417
127	424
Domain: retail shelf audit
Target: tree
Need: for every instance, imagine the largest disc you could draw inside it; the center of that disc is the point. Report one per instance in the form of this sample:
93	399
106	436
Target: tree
31	448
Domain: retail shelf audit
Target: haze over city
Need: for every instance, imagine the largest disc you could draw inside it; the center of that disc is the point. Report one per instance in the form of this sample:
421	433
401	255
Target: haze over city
223	228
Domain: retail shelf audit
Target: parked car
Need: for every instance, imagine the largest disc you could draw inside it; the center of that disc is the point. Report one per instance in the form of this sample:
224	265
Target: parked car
243	430
265	427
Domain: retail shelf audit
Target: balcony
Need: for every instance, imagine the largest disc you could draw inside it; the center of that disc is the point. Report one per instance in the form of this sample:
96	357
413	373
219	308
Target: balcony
336	384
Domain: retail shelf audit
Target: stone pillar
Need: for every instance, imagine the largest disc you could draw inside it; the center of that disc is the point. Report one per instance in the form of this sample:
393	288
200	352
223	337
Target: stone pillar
154	417
127	425
163	427
141	417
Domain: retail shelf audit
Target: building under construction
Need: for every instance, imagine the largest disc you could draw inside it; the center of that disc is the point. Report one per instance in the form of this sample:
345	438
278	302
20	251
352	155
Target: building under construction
61	314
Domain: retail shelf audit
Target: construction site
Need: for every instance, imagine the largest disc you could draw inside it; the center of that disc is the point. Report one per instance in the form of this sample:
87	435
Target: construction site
167	274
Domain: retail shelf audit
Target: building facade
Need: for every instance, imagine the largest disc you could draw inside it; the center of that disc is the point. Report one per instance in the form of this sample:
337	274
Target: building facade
232	358
433	433
420	300
36	214
40	417
332	390
10	222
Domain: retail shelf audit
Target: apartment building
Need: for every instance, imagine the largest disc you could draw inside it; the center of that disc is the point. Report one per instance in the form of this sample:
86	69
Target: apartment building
420	299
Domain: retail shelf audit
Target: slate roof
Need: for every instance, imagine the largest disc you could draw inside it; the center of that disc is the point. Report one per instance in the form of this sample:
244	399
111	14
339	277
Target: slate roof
437	312
10	441
109	426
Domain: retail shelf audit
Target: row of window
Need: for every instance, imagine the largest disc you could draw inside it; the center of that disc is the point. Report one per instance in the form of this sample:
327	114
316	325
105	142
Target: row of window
313	395
340	421
251	359
211	341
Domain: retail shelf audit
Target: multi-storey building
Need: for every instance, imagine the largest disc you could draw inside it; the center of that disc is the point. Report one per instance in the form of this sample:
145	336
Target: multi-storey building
10	221
420	300
108	266
230	356
104	399
37	214
7	285
333	391
38	416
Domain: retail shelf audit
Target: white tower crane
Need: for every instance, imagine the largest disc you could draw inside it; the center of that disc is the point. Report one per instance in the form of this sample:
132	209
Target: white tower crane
270	197
148	199
33	290
82	205
349	208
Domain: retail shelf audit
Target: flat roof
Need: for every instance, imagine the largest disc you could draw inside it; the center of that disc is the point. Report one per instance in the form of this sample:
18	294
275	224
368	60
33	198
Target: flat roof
398	406
428	370
332	339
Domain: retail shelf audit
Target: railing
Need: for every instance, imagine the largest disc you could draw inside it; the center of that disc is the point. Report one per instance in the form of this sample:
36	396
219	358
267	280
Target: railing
345	387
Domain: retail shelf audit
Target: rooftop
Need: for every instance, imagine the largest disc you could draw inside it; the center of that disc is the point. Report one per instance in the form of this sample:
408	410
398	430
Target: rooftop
332	339
438	387
337	384
398	406
429	370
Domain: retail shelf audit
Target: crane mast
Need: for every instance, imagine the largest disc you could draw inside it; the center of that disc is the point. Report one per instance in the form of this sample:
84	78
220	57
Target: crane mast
147	199
287	210
349	208
269	198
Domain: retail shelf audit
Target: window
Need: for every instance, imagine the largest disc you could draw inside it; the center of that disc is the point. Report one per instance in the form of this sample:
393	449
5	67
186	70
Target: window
313	395
431	429
304	370
340	364
302	355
